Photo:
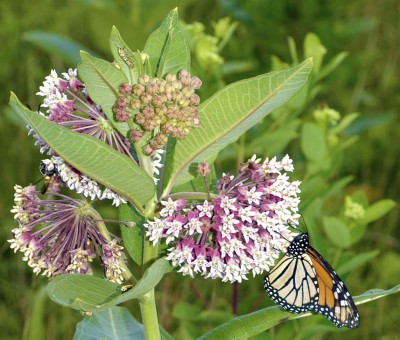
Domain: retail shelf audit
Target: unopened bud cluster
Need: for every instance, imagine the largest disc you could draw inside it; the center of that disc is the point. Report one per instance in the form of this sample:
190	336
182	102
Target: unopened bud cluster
166	107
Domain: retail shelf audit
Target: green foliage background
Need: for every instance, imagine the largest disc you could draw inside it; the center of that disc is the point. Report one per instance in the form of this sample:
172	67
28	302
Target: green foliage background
365	82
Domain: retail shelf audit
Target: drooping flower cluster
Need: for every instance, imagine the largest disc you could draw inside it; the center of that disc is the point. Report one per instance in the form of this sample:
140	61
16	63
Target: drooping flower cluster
165	107
243	230
68	104
62	236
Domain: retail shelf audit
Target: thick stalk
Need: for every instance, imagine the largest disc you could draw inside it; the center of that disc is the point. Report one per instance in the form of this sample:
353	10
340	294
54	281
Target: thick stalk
147	303
149	316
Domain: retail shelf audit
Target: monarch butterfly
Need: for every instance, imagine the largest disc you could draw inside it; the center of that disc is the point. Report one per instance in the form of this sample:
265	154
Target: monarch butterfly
303	281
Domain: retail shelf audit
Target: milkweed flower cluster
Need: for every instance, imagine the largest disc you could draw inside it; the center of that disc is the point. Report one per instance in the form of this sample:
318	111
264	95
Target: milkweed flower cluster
164	106
242	230
62	236
68	104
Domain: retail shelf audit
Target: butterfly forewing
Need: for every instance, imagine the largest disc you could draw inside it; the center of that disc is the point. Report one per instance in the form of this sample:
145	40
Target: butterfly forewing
335	301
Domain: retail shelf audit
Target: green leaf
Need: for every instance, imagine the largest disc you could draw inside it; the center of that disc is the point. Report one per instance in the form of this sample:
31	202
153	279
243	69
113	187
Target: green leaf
102	80
124	56
92	157
152	276
314	49
132	236
83	292
377	210
356	261
374	294
247	326
115	323
91	294
313	143
167	48
337	232
228	114
55	44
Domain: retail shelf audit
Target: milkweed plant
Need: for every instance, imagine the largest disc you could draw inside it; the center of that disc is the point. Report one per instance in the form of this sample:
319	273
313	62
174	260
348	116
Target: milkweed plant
134	132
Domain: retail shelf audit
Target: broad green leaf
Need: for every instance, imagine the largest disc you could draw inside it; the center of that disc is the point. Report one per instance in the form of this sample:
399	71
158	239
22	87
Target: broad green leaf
90	294
83	292
167	48
132	236
377	210
356	261
152	276
313	143
124	56
337	232
115	323
92	157
247	326
56	44
228	114
102	80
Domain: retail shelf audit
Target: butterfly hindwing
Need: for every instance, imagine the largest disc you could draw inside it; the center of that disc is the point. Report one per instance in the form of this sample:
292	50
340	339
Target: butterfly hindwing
299	292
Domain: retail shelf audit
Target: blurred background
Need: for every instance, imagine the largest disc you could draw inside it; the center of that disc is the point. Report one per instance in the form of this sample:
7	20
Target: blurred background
232	40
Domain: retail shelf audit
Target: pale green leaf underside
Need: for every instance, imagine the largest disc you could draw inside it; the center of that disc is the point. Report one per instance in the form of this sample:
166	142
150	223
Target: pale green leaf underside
91	294
83	292
112	324
244	327
231	112
92	157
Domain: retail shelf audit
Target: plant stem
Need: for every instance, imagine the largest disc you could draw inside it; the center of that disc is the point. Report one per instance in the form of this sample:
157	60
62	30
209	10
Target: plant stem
149	316
147	302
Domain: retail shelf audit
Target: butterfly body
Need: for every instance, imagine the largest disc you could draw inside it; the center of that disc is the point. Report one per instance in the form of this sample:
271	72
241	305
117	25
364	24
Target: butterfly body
304	281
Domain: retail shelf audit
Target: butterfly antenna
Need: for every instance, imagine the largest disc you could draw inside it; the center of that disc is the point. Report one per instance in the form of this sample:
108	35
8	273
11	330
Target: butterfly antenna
304	221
